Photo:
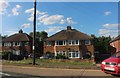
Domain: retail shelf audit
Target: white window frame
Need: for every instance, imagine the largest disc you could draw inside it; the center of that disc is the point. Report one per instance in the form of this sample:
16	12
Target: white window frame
87	42
75	54
48	43
18	43
73	42
57	43
7	44
60	52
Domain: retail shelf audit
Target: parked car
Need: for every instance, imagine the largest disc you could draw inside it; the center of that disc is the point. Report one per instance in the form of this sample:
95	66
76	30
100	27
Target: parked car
45	57
112	65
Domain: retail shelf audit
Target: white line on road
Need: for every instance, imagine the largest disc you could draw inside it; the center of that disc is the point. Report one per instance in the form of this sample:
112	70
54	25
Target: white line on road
5	74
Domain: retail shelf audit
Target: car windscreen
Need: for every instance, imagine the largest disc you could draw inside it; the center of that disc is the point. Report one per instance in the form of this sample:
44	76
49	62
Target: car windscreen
116	55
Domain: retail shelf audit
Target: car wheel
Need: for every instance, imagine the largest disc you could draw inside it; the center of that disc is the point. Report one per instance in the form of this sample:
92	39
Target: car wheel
115	75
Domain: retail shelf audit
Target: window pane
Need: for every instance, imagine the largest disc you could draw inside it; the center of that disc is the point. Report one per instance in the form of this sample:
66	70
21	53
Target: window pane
73	54
69	54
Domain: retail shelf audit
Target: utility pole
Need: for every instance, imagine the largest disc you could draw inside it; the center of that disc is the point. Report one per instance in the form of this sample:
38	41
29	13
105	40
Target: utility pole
34	33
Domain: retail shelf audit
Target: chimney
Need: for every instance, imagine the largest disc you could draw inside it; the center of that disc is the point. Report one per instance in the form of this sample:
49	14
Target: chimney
69	28
20	31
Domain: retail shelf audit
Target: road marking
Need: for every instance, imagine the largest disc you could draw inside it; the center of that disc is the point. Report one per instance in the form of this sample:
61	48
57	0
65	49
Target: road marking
5	74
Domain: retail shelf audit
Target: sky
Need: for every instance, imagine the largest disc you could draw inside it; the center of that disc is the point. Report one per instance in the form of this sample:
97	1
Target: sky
98	18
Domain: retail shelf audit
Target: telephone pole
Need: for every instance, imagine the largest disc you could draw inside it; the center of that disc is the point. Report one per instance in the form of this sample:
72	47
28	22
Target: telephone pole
34	33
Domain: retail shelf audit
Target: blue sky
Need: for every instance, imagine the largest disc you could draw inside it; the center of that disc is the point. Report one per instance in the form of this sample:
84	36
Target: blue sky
98	18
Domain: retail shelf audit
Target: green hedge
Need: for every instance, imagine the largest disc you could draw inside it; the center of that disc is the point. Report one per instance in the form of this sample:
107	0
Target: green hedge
10	56
59	56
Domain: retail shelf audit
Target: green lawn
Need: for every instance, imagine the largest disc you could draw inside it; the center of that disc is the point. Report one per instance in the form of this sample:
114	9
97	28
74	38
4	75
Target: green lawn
53	63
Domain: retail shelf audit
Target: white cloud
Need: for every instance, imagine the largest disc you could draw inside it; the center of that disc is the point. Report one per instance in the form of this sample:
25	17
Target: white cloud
10	32
109	30
26	25
15	10
31	12
53	19
111	25
104	32
107	13
31	18
3	5
53	29
70	21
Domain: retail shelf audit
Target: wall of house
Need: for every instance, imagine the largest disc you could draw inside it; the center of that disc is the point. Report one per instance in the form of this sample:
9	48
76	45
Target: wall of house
48	49
116	44
81	48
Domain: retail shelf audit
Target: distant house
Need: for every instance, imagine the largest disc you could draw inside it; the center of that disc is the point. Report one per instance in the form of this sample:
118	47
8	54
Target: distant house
19	43
116	43
71	43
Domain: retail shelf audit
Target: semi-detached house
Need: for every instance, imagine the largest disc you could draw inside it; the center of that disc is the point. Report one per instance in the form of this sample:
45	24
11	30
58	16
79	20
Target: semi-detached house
71	43
18	43
116	43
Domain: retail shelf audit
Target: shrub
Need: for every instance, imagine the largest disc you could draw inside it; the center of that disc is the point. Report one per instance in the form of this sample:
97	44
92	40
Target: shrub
59	56
11	56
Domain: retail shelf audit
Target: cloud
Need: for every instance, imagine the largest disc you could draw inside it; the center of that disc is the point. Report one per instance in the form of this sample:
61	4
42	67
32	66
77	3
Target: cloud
107	13
109	30
70	21
3	5
53	19
25	25
111	25
15	10
31	12
54	29
10	32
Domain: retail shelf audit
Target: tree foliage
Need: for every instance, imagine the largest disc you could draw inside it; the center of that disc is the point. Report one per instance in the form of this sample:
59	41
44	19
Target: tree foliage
40	35
101	44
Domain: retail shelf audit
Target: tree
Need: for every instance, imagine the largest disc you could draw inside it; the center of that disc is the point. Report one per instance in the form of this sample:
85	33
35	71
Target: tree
101	44
40	35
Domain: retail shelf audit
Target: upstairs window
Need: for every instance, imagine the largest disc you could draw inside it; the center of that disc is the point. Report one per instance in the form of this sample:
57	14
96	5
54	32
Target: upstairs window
48	43
73	42
16	43
60	42
7	44
87	42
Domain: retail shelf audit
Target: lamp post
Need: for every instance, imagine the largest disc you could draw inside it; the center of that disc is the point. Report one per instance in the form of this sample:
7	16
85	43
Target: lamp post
34	33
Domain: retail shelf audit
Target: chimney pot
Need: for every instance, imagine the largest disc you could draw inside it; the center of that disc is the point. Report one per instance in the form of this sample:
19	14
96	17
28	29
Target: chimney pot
69	28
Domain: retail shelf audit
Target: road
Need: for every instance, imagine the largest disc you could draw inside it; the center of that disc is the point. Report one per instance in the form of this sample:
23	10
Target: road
36	72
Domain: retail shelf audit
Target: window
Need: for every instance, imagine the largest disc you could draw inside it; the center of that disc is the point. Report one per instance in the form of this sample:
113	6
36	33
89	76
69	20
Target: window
74	54
61	53
16	43
60	42
48	43
7	44
73	42
87	42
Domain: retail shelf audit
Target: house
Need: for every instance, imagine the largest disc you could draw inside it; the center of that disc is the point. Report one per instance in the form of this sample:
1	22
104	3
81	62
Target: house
71	43
18	43
116	43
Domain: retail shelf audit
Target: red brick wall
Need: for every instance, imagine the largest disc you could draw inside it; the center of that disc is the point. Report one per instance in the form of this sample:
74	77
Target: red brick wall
116	44
65	48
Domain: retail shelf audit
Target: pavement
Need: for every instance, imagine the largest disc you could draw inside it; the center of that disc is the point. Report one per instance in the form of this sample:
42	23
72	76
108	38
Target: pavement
37	72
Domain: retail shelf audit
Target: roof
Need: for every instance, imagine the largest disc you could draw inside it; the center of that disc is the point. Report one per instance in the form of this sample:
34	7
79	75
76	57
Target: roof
18	37
117	38
69	34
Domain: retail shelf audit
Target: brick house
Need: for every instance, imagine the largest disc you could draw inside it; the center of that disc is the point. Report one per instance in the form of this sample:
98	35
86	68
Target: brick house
116	43
71	43
19	43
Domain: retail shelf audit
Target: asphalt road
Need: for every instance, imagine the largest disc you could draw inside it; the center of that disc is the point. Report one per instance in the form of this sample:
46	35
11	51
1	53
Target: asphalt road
36	72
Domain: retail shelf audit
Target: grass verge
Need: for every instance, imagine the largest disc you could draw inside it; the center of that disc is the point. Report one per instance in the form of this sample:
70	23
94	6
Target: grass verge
53	63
